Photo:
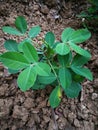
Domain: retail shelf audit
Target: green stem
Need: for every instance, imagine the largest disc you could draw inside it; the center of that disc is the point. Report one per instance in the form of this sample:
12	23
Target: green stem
54	72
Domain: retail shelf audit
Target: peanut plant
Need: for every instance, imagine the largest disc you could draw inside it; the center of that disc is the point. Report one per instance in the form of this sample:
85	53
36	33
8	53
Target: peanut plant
56	63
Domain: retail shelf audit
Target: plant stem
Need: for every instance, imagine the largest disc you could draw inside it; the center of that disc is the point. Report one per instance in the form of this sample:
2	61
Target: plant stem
55	122
54	72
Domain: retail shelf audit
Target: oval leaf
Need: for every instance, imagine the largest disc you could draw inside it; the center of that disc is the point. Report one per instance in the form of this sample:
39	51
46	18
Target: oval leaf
34	31
11	45
20	45
47	79
65	36
11	30
38	86
30	53
13	71
80	36
55	97
21	24
73	90
62	49
26	78
79	60
14	60
65	60
65	77
83	72
50	38
80	51
42	69
77	78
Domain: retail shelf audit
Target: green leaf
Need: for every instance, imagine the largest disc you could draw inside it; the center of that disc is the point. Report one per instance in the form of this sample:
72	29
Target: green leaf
50	38
73	90
83	72
14	60
77	78
47	79
80	36
65	77
20	45
42	69
55	44
65	36
65	59
0	57
62	49
94	2
34	31
21	24
37	85
26	78
11	30
80	51
55	97
13	71
79	60
11	45
30	53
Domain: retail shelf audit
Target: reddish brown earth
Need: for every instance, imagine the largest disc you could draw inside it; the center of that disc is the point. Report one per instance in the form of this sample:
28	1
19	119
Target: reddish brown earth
31	110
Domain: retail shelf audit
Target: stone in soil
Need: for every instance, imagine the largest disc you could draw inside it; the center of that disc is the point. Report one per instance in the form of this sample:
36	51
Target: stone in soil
96	83
19	112
76	123
94	96
44	9
5	108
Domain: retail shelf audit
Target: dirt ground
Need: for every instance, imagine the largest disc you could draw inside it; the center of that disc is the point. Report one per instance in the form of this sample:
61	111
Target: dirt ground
31	110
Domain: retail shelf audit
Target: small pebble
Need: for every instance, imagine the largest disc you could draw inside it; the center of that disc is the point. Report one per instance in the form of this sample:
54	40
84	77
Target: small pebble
44	9
76	123
94	96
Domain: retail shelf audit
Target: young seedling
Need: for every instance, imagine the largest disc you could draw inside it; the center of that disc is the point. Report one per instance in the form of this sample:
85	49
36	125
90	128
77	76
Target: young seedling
58	63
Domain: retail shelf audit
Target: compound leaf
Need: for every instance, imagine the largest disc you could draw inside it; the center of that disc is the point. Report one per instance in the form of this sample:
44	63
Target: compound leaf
26	78
21	24
55	97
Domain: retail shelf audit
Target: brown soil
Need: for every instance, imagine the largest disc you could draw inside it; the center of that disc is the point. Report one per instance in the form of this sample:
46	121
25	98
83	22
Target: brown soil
31	110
